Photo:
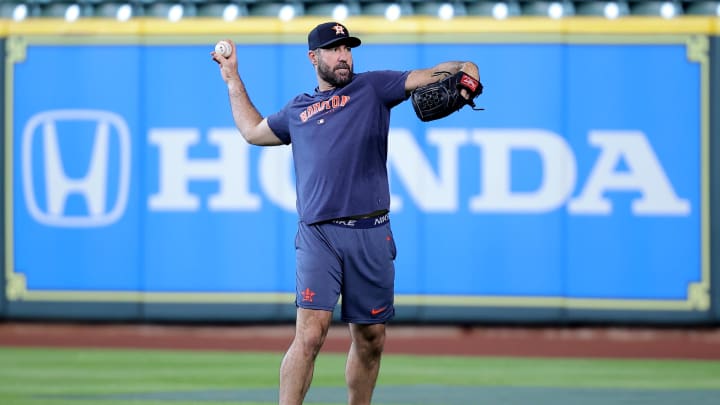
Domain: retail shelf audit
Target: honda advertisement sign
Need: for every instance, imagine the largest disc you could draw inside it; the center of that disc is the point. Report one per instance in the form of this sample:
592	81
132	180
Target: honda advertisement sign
581	184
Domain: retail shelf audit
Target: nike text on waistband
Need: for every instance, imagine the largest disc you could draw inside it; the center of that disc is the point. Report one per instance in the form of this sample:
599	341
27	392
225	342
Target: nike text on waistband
360	223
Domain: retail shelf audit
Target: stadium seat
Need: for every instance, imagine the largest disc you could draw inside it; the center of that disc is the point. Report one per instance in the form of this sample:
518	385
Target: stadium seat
498	9
387	9
352	8
553	9
609	9
273	9
666	9
223	9
440	9
292	8
703	8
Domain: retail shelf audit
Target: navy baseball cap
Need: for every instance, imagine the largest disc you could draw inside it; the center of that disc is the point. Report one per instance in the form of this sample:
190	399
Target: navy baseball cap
329	34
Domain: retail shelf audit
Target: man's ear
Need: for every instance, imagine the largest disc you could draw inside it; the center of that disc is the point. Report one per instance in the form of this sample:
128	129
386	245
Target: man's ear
313	56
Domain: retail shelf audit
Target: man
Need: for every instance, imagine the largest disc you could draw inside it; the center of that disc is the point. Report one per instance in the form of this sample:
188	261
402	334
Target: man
344	244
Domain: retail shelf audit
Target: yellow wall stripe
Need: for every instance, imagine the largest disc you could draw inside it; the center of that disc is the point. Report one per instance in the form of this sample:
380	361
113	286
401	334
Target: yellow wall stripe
366	25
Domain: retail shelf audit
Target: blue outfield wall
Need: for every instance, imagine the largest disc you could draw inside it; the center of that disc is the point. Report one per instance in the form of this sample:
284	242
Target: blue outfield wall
581	193
714	179
2	197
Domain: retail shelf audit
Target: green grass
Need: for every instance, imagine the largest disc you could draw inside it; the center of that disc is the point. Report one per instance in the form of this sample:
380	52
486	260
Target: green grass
45	376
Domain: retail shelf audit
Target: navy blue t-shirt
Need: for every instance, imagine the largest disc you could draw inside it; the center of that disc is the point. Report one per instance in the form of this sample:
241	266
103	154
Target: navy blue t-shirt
339	143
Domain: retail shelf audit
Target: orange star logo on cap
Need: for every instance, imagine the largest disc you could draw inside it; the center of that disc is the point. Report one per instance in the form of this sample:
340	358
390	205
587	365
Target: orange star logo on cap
339	29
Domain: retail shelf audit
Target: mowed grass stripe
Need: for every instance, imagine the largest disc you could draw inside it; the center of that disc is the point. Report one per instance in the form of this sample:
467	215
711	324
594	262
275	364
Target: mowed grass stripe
553	372
28	376
92	371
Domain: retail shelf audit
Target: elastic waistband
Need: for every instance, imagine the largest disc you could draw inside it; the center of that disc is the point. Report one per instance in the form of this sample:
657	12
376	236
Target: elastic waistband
360	223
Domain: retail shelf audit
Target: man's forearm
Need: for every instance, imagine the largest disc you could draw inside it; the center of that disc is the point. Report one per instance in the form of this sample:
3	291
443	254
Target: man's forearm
423	77
245	115
455	66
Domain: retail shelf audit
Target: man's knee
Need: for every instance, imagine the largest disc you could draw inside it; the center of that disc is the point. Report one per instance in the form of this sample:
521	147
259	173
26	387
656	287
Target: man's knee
310	340
369	339
312	328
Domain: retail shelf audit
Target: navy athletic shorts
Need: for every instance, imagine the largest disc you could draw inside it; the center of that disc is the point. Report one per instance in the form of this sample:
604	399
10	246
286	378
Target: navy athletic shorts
349	258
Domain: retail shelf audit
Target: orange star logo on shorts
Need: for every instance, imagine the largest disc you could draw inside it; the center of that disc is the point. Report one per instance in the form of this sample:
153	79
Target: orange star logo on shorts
308	295
339	29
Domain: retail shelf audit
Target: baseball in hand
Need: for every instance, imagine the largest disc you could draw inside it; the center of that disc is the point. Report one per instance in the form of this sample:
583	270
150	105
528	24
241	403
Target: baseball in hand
223	48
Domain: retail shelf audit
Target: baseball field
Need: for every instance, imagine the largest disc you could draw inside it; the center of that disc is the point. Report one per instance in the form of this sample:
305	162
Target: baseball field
57	368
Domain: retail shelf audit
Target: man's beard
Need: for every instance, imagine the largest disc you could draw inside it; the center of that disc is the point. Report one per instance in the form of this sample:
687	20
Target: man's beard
332	76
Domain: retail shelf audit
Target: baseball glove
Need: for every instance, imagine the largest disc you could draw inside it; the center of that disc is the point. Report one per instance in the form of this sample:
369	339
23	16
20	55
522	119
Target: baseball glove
440	99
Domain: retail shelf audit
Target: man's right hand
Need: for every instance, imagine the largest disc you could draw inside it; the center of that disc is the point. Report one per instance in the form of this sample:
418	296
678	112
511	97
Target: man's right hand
229	65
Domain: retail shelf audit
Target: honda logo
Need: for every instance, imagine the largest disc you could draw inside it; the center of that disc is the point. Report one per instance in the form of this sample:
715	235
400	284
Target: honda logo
47	191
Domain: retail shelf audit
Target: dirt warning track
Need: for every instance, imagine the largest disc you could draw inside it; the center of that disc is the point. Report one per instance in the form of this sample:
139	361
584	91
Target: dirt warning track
401	339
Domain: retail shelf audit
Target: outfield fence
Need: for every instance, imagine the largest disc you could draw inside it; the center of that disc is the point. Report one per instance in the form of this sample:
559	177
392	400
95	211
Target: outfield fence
582	193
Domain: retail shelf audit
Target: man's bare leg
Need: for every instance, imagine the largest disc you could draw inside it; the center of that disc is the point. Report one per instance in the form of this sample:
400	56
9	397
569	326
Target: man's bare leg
296	370
363	362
